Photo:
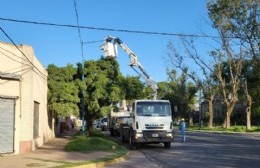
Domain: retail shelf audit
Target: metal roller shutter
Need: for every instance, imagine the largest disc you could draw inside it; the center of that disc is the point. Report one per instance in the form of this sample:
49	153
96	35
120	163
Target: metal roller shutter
7	125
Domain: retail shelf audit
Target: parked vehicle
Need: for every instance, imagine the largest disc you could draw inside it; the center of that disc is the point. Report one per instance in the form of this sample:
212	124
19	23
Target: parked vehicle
150	120
104	124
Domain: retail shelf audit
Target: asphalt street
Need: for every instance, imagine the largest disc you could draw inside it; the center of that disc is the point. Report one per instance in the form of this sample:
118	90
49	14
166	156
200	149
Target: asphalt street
201	150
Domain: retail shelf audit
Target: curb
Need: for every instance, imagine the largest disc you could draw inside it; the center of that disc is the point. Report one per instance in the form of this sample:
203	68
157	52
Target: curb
102	164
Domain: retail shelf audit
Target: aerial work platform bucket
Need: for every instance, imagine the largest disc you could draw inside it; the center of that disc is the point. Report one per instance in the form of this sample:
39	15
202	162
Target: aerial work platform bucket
110	49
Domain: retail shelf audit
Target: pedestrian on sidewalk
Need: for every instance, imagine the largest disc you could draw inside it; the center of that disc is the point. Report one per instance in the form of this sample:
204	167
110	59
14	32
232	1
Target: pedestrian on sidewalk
183	129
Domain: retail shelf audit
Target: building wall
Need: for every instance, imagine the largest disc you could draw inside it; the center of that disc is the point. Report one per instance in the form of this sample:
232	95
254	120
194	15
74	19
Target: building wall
26	136
219	109
31	88
11	63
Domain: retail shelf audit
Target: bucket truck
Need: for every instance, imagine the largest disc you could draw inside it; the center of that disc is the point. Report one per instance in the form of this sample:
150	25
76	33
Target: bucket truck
150	120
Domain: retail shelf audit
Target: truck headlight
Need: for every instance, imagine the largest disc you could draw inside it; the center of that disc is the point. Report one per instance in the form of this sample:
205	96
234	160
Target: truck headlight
138	135
169	135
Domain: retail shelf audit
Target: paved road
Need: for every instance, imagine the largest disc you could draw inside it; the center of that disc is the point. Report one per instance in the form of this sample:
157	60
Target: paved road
200	150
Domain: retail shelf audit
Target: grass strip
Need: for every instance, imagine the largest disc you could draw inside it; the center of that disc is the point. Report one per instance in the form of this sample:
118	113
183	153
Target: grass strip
97	141
232	129
121	151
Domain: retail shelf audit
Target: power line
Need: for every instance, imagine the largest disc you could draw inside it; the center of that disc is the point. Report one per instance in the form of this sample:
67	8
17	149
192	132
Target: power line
113	30
20	70
91	42
13	58
28	60
26	71
10	52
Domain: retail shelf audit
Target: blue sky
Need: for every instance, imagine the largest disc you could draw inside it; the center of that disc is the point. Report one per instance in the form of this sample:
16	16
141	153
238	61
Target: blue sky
61	46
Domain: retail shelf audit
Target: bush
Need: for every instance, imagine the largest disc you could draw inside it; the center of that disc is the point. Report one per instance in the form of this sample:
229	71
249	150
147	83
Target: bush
89	144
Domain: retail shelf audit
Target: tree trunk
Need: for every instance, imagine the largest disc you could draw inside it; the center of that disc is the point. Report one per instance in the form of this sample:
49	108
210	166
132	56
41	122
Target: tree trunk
211	114
228	119
249	105
230	108
191	119
248	112
89	126
226	123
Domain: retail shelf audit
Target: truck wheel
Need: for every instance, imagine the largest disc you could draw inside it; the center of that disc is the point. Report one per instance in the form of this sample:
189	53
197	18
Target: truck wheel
112	132
123	139
167	144
132	145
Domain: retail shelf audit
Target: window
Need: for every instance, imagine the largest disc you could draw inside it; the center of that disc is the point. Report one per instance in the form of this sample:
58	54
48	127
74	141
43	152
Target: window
153	109
36	120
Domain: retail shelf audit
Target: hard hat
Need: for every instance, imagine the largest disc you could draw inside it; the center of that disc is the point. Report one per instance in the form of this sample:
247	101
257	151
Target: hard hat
182	119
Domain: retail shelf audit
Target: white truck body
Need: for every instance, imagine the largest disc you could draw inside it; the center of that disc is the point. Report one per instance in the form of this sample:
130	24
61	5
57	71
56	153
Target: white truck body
117	121
150	120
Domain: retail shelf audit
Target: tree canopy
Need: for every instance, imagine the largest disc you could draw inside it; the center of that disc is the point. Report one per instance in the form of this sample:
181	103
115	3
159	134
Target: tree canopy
101	87
133	88
62	91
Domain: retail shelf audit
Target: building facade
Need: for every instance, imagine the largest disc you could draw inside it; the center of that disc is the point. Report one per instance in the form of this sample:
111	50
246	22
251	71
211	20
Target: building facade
24	120
219	111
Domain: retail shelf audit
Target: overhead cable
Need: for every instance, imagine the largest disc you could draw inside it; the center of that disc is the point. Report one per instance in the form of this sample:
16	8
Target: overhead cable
41	73
113	30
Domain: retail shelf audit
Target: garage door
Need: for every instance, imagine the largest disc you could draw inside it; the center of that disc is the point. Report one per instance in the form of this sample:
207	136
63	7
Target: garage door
6	125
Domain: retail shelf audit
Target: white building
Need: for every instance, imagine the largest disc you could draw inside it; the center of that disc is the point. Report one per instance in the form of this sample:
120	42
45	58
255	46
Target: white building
24	120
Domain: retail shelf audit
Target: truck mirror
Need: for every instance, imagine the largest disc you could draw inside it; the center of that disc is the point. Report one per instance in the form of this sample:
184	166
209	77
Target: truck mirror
129	108
132	115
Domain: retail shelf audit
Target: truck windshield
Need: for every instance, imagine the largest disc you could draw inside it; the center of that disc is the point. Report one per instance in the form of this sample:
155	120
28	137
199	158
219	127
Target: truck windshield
153	109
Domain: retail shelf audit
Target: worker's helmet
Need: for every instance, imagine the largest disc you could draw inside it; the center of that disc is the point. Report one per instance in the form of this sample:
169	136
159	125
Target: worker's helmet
182	119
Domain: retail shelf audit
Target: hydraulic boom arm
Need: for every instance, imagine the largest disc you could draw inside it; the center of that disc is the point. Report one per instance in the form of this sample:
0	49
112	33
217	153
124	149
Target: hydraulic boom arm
110	49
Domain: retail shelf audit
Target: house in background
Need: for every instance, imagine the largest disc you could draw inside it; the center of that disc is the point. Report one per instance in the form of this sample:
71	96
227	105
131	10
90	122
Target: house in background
24	120
219	111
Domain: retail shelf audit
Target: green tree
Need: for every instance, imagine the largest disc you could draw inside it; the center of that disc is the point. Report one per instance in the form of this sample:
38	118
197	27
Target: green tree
239	19
251	86
253	80
101	88
133	88
204	82
163	89
238	23
62	91
182	94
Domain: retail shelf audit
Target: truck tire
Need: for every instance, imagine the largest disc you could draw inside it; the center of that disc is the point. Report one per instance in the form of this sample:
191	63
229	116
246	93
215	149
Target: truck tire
123	140
167	144
112	132
132	145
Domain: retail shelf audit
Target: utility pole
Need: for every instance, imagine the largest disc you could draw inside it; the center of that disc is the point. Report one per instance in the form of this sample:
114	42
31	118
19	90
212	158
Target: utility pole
82	77
200	109
83	99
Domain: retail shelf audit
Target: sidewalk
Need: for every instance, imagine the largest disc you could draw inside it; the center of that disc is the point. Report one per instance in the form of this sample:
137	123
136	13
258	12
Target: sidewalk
52	154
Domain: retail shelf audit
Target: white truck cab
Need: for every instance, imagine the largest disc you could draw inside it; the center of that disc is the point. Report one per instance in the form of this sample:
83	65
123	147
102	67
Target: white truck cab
151	122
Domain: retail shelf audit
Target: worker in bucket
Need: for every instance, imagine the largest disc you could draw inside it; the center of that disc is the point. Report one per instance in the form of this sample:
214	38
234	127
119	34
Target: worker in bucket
183	128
